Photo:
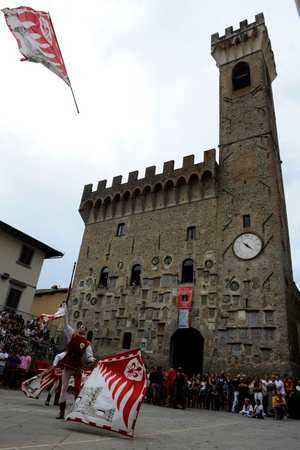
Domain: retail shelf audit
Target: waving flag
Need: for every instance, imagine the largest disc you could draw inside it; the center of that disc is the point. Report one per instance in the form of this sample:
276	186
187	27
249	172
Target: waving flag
61	312
33	387
112	395
36	39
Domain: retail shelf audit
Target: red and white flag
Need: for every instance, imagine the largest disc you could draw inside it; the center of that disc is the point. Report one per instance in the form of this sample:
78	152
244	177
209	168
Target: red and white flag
61	312
36	38
33	387
112	395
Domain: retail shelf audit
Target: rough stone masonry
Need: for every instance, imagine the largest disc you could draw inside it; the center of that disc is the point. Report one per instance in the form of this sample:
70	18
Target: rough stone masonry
219	230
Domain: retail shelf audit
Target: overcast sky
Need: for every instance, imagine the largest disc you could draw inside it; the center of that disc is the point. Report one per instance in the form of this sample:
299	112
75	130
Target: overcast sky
147	89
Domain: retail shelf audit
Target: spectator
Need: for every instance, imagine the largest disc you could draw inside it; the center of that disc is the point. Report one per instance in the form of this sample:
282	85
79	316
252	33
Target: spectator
10	376
247	408
3	359
258	411
156	380
180	389
279	405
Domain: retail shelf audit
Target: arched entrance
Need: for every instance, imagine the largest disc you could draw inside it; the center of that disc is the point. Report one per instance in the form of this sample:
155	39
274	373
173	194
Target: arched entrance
187	346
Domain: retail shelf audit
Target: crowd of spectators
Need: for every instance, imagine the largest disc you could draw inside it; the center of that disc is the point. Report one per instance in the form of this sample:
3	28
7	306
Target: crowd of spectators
18	334
25	347
251	396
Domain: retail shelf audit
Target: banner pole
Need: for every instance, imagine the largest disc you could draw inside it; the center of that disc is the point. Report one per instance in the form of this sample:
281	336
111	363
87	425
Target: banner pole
69	84
71	281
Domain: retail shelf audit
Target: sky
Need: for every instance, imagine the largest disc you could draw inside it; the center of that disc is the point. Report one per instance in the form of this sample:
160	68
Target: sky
147	90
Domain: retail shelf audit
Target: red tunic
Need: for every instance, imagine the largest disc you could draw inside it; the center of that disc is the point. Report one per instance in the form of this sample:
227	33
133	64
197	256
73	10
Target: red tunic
75	350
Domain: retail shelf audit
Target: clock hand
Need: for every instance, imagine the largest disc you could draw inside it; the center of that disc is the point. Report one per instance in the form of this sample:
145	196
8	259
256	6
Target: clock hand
247	245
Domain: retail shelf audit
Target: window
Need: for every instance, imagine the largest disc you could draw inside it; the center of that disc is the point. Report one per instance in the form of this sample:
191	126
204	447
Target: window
269	316
121	229
26	255
13	298
103	280
135	279
126	340
241	76
187	271
246	221
191	233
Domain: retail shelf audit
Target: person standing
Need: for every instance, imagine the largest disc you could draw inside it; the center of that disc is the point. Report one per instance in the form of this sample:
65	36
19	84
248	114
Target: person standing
78	351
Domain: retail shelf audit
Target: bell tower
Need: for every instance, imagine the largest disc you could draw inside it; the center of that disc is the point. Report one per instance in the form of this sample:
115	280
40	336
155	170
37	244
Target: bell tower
254	263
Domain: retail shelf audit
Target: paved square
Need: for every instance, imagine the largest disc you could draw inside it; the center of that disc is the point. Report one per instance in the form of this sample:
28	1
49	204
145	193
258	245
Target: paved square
28	424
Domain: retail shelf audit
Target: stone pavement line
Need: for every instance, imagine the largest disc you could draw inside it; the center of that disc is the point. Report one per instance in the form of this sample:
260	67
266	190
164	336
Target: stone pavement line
147	435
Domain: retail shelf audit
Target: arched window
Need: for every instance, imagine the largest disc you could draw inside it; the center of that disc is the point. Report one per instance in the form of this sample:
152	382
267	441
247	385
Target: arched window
191	233
241	76
126	340
103	280
187	275
135	279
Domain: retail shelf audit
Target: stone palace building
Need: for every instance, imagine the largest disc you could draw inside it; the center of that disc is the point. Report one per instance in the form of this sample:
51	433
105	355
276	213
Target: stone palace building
193	264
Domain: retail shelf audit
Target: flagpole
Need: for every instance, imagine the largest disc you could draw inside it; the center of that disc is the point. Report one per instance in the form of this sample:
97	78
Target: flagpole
70	86
70	285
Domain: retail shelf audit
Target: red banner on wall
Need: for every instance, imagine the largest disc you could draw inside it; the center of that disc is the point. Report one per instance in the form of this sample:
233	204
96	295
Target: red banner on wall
184	298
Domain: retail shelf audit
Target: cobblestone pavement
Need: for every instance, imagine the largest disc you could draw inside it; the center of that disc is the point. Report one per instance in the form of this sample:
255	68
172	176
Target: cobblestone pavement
28	424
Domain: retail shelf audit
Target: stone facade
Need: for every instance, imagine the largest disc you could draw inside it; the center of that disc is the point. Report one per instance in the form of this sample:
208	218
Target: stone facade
220	229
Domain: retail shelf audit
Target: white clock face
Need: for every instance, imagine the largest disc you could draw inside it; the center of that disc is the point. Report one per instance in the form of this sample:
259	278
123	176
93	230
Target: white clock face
247	246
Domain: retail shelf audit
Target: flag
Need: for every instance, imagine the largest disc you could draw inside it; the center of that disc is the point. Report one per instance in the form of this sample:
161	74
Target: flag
112	395
61	312
36	38
33	387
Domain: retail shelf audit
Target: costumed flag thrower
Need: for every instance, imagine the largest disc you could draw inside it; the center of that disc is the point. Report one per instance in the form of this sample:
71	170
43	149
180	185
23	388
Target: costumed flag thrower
36	39
112	395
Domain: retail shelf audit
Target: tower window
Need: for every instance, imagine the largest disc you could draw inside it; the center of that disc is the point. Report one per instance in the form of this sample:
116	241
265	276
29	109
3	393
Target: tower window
191	233
103	280
241	76
246	221
121	229
187	275
26	255
126	340
135	279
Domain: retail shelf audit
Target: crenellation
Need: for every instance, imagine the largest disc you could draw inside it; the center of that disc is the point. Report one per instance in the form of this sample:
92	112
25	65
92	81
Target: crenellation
101	185
151	177
243	24
210	157
133	176
150	172
87	190
260	18
117	181
168	167
188	161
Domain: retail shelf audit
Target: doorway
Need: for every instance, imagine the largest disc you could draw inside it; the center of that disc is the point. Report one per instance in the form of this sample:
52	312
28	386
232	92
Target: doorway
187	345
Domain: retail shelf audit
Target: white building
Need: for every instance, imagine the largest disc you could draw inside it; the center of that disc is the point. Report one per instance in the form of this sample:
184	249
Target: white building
21	260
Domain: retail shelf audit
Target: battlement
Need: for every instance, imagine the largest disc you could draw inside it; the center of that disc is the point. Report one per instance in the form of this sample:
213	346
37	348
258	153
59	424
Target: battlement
152	182
247	39
243	30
